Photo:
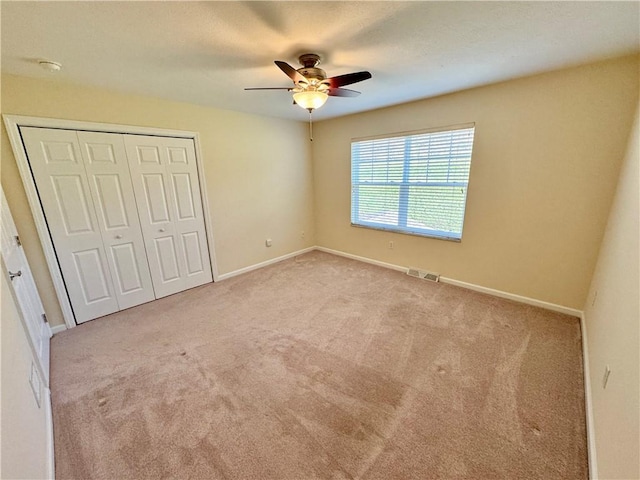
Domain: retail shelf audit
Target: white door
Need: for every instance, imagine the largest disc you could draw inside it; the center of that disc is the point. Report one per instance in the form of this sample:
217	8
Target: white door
25	291
61	181
105	161
165	182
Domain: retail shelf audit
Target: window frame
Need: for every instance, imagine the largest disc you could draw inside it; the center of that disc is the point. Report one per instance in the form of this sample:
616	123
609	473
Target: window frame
404	185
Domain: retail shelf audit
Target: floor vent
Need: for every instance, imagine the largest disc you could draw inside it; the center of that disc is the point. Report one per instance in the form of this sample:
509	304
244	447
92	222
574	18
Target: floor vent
432	277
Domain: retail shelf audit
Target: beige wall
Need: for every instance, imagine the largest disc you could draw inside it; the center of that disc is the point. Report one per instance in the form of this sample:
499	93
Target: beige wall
258	170
546	159
545	164
23	435
612	318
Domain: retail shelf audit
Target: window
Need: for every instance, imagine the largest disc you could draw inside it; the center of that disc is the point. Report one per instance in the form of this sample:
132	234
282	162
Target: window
414	183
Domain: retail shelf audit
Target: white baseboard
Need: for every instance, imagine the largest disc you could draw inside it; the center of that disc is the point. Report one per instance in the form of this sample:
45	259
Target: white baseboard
512	296
51	462
58	328
588	401
240	271
478	288
363	259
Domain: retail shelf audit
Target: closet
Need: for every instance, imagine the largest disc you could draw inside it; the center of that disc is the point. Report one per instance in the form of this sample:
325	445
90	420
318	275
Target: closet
124	213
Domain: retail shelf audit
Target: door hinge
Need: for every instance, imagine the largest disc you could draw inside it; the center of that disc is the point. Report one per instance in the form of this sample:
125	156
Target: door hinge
18	242
44	318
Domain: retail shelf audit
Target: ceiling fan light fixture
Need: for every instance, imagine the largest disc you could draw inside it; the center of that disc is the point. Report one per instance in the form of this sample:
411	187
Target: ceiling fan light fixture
310	100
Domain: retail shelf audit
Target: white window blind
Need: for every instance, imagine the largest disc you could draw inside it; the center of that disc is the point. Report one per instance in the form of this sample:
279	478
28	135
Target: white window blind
412	184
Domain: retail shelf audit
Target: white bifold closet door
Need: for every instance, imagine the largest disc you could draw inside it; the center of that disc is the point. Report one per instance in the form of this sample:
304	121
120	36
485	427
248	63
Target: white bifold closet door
123	234
85	189
105	162
165	180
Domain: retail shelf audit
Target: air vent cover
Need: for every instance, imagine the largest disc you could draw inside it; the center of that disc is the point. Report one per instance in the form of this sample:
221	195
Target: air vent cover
423	274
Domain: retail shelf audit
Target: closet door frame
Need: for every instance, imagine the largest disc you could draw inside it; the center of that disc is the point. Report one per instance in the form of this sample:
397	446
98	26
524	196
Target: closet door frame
13	124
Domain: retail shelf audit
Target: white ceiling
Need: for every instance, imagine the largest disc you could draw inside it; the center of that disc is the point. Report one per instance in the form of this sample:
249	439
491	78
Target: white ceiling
207	52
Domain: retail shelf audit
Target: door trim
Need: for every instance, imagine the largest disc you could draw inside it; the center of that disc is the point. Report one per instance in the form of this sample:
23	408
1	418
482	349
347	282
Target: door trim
14	122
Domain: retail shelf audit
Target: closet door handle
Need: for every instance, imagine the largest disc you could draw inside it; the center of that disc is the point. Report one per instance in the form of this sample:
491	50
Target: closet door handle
161	230
14	275
118	237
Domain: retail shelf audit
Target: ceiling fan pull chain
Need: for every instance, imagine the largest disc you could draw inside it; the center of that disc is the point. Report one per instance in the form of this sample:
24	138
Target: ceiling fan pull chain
310	127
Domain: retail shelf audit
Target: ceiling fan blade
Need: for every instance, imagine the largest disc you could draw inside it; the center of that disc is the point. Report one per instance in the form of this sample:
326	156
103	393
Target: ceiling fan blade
348	79
291	72
270	88
342	92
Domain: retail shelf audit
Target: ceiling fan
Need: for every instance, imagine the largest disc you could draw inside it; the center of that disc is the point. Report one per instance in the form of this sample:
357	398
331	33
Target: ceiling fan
311	87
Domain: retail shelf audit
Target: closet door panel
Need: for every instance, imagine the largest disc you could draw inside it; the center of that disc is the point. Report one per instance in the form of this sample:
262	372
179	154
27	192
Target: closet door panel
107	169
73	206
165	179
127	272
110	200
181	183
153	191
167	258
183	171
60	177
93	279
156	198
193	256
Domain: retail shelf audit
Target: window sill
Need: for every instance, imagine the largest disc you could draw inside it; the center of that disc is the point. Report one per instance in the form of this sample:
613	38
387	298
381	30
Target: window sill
404	232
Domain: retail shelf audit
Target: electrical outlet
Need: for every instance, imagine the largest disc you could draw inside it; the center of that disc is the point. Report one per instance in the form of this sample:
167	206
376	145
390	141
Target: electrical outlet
268	242
605	378
302	234
390	245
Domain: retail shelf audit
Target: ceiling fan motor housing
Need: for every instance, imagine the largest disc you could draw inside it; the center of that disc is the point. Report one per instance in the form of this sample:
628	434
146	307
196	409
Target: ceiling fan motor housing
309	60
310	70
313	73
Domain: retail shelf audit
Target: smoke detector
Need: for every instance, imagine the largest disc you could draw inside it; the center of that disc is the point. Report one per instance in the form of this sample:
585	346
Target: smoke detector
50	66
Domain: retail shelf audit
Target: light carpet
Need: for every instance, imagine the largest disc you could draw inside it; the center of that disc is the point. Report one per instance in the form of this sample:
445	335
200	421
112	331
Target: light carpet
321	367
